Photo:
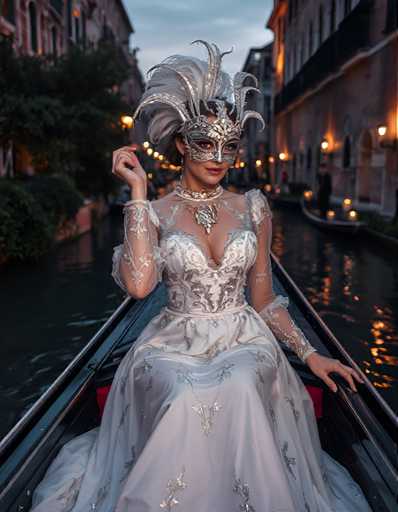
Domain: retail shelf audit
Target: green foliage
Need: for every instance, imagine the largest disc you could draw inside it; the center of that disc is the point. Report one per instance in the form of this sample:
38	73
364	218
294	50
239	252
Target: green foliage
66	110
25	231
30	213
57	196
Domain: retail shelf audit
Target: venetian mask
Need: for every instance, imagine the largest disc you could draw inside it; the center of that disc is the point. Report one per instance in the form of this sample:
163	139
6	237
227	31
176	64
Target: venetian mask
216	140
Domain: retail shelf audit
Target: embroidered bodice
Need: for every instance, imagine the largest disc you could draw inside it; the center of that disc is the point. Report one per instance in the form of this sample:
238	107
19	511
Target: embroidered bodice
205	273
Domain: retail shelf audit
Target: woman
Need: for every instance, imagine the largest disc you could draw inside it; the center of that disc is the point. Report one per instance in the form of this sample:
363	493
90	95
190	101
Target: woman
205	413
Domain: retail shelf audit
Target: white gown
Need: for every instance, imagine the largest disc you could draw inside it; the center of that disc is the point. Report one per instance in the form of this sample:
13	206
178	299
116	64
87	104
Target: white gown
205	413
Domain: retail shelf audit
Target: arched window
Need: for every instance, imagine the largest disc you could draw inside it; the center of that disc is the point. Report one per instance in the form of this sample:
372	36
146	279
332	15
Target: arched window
33	27
347	153
8	11
347	7
84	28
320	25
54	38
310	39
309	158
69	18
77	29
332	26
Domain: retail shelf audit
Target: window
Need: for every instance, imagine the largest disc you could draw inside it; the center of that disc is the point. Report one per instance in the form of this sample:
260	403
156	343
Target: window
347	7
320	25
332	26
69	17
8	11
54	40
310	38
347	153
309	158
33	27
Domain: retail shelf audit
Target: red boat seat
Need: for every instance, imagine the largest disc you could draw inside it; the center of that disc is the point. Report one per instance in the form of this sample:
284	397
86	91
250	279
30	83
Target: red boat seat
315	392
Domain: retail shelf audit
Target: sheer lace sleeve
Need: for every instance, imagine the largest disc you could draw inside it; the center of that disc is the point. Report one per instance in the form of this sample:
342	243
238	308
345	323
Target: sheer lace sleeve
137	264
272	308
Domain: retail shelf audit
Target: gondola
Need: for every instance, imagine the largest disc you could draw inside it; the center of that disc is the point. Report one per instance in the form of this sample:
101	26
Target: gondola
291	202
358	429
338	225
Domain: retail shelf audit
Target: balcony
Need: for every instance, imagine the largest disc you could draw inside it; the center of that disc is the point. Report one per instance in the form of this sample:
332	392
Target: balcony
352	36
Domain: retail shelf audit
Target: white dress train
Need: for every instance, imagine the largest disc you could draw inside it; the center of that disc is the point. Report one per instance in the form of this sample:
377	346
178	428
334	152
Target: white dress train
205	413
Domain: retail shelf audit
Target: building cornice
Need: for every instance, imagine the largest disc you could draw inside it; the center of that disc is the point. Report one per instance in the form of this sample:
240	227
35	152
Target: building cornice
279	10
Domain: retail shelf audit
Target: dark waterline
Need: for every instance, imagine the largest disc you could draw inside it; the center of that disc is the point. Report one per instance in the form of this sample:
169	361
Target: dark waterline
50	310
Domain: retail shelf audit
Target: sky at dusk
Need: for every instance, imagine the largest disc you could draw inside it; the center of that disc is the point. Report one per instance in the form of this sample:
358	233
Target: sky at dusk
163	28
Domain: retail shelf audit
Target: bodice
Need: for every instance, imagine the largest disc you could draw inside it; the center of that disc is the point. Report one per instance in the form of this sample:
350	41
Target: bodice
194	284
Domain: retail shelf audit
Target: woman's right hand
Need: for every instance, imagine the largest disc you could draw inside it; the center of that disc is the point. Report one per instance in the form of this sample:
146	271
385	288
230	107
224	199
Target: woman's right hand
136	178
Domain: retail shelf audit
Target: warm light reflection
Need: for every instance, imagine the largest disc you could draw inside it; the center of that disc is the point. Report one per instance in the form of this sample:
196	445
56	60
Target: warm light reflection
330	214
308	195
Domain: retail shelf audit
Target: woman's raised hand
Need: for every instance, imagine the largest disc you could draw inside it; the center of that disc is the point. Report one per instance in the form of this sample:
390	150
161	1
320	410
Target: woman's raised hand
123	160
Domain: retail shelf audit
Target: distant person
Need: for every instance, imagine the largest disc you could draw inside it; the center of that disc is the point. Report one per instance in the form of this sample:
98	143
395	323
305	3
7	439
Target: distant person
324	190
285	182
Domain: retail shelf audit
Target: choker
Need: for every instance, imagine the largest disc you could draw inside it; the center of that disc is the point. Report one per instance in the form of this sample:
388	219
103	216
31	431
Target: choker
203	195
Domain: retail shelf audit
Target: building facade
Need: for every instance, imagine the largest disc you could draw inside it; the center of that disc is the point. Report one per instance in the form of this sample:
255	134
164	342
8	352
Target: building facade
39	27
257	143
335	97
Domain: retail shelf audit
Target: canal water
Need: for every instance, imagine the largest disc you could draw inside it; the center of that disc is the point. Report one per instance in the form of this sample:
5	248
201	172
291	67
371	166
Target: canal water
50	310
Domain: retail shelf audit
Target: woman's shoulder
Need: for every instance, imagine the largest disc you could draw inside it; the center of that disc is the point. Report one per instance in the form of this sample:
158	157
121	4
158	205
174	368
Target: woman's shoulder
258	204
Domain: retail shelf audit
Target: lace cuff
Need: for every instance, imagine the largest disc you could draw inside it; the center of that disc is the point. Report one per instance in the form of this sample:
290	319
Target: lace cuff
139	253
277	317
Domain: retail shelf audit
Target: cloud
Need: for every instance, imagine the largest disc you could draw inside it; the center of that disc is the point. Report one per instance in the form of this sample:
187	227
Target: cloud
165	28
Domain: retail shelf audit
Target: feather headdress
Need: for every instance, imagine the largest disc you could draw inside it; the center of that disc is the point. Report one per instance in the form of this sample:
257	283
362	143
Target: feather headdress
179	85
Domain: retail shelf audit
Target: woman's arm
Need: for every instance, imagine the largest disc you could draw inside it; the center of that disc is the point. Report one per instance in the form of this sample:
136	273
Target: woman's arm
272	308
137	265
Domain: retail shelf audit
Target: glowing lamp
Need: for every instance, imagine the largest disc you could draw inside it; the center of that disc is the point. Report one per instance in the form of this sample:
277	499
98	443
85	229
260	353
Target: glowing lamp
307	195
353	215
268	187
149	151
347	202
127	121
155	154
382	130
271	159
146	144
330	214
324	145
282	156
258	163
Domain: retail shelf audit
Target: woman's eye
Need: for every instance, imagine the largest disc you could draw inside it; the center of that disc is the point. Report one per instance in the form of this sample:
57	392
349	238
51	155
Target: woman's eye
231	147
203	144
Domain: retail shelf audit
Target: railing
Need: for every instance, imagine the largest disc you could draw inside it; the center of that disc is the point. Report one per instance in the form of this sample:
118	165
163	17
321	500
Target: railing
352	35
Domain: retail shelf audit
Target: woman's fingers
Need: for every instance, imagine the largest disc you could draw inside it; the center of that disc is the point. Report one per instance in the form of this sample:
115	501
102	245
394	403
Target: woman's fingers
345	372
329	382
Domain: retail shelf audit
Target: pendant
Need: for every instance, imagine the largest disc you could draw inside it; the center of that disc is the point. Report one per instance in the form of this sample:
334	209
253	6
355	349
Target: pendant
206	216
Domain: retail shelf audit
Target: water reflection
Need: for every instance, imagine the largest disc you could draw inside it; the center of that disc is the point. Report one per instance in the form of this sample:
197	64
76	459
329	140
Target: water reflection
354	288
50	311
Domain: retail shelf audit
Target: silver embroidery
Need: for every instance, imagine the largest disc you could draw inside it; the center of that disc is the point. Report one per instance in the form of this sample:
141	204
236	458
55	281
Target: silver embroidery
290	401
129	464
243	491
101	495
289	461
173	487
206	414
69	496
224	372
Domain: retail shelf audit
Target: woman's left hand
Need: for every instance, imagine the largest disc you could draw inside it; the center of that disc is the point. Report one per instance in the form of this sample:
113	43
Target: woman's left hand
321	366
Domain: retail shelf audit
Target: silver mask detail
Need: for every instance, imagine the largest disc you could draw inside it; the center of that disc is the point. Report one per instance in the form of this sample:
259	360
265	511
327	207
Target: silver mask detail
216	140
177	90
